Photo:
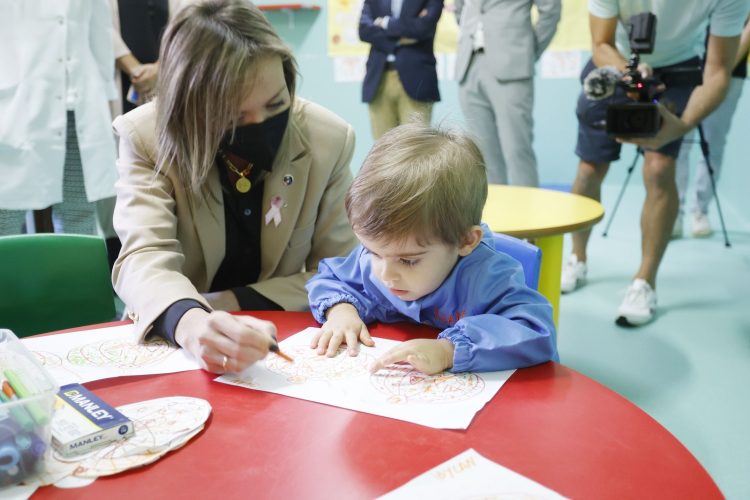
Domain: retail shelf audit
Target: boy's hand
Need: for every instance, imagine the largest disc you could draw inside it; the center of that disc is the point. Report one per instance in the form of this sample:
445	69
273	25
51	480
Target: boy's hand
343	325
426	355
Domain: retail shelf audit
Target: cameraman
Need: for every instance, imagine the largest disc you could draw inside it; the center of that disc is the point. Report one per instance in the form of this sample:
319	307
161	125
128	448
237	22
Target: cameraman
680	33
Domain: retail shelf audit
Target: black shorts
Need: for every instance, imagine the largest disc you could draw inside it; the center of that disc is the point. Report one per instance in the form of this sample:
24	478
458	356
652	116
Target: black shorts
594	145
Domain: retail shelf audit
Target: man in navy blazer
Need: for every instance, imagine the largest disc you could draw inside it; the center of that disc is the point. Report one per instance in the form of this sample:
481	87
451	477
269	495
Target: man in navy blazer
401	77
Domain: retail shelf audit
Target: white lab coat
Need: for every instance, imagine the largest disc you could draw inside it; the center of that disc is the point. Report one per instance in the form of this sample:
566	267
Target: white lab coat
54	52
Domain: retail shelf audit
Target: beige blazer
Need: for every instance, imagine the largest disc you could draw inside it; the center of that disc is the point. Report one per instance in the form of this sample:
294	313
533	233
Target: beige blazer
172	247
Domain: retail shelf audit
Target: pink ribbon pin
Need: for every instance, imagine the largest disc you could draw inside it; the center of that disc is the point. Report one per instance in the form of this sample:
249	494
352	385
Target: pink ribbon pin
275	211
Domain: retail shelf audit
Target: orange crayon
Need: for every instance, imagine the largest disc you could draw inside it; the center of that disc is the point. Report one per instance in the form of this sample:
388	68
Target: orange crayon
275	349
8	390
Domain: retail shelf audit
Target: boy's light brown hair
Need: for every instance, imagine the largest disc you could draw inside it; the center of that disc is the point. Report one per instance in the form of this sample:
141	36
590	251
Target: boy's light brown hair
419	181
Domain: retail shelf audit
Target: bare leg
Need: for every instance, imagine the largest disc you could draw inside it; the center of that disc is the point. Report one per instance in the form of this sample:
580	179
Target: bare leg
588	183
659	212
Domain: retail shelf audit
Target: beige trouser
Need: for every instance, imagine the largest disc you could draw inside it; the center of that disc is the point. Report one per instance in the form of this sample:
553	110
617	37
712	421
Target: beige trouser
392	106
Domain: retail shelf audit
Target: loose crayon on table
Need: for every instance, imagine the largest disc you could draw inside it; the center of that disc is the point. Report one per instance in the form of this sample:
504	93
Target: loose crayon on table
275	349
22	391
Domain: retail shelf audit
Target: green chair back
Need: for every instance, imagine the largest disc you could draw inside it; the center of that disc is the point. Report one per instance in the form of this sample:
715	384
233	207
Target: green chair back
53	281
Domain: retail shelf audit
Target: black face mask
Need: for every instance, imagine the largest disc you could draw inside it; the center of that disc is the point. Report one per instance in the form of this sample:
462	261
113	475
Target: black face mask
258	142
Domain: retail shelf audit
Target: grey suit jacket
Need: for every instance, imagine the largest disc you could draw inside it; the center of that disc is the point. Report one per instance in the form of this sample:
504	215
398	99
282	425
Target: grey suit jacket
173	244
511	43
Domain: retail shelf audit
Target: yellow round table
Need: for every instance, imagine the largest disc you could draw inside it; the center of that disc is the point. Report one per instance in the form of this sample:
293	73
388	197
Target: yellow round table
543	215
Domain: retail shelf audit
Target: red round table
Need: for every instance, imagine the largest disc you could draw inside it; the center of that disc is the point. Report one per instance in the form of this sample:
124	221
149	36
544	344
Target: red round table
548	423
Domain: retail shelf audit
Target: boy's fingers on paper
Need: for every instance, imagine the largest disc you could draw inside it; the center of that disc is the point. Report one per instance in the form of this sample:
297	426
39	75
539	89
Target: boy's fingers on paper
325	337
334	343
315	339
398	353
352	341
364	336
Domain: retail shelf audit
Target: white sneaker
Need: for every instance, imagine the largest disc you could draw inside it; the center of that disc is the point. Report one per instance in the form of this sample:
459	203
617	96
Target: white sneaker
573	274
638	306
677	229
700	225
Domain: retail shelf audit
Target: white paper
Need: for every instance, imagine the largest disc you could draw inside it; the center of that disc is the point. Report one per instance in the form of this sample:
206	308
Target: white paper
470	476
105	353
560	64
349	68
443	401
161	425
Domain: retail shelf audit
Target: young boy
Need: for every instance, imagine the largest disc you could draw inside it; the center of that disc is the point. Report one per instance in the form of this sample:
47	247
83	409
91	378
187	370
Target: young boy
416	207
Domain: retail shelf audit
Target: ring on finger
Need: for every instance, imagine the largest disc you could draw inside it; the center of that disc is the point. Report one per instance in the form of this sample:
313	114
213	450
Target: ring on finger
224	362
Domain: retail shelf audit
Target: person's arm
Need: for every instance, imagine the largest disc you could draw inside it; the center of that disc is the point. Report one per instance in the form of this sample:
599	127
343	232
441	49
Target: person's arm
145	81
720	55
507	326
744	45
165	326
421	27
339	302
340	280
129	65
148	272
521	335
372	33
511	326
125	61
603	49
546	25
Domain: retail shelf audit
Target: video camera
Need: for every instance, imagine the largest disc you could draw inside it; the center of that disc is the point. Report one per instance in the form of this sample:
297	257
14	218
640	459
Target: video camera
641	117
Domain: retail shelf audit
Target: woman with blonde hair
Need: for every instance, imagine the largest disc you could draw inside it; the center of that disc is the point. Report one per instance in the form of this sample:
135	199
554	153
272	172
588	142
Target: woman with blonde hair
231	188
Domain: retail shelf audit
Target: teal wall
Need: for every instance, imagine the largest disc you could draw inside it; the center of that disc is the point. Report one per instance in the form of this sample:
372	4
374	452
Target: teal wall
555	123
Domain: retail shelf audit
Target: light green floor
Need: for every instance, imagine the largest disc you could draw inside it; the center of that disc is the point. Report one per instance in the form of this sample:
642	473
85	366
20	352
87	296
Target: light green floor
689	369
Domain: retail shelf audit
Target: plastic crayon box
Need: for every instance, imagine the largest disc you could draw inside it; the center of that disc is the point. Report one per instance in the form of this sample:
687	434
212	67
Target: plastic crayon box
27	398
83	421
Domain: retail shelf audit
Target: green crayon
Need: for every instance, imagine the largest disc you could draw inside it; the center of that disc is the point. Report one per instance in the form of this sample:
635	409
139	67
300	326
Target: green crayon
19	414
40	416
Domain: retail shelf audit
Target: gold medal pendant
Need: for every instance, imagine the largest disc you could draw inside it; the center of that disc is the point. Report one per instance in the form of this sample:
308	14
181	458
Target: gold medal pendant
243	185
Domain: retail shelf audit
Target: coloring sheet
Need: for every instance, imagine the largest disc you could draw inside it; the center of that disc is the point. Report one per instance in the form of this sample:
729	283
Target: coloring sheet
161	425
470	476
105	353
443	401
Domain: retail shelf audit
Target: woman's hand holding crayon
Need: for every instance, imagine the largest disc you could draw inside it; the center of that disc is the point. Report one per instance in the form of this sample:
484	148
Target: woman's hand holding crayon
222	342
343	325
426	355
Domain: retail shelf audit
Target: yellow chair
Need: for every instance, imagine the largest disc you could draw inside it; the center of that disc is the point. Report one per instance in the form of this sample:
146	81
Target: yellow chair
53	281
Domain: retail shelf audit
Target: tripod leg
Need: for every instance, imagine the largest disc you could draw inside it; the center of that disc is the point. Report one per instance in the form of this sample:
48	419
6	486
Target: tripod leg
705	152
638	152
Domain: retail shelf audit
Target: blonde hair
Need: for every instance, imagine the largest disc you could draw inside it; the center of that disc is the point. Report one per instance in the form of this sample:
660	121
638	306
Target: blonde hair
207	59
419	181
